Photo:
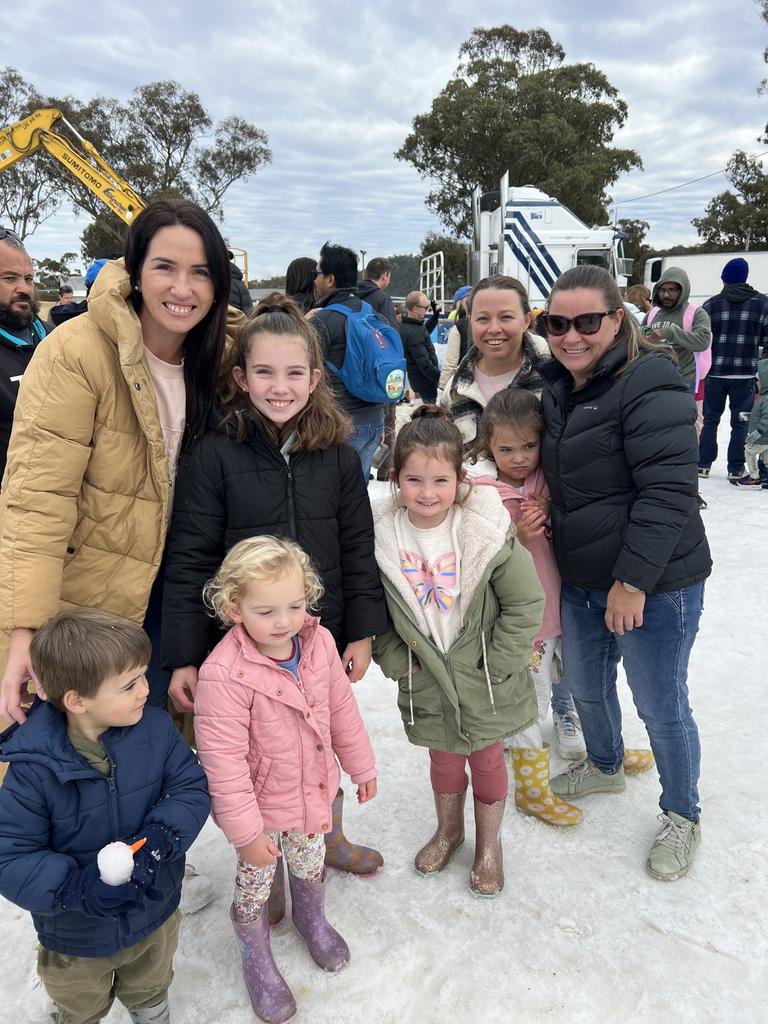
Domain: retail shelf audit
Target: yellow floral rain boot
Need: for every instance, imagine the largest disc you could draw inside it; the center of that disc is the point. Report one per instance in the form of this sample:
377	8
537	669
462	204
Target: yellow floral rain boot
637	761
532	793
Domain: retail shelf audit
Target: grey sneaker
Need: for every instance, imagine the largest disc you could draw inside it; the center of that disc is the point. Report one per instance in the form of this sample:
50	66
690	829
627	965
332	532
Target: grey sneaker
674	847
570	737
584	778
704	471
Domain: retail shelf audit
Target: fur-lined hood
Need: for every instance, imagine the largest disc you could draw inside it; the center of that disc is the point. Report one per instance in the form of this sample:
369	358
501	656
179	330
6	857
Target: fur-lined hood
482	526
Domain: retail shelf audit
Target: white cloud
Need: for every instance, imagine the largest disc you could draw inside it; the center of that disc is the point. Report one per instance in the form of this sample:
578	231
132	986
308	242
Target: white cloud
336	87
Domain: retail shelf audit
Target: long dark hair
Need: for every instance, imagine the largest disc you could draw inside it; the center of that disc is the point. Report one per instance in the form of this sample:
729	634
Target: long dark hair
300	282
204	344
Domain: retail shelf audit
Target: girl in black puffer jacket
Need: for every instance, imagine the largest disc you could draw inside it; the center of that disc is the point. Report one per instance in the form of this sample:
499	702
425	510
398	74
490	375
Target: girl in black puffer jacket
277	465
620	457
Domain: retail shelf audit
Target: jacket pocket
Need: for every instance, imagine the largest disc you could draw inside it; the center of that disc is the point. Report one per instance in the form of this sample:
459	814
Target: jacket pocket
260	775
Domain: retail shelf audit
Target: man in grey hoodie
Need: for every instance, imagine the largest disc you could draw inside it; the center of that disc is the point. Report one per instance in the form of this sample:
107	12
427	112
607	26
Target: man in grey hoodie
670	299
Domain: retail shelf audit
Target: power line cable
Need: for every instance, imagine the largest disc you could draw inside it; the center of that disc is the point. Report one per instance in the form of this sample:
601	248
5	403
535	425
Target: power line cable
684	184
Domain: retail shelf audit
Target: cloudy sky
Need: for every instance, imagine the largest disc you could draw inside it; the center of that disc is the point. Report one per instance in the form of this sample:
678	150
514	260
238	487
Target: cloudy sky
336	84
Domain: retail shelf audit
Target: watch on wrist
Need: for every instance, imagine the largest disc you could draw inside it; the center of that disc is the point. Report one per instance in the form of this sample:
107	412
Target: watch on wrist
629	588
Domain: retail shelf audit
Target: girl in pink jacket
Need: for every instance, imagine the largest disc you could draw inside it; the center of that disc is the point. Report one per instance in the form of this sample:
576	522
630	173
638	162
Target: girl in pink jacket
274	709
508	446
507	452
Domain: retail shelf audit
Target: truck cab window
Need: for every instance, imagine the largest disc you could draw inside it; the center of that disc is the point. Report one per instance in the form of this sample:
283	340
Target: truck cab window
594	257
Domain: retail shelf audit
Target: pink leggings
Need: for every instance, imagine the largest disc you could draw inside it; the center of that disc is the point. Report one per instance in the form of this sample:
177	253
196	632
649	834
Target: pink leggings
490	781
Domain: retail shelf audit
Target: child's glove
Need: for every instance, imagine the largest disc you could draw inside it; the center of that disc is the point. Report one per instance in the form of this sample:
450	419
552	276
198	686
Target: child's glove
160	844
752	436
84	891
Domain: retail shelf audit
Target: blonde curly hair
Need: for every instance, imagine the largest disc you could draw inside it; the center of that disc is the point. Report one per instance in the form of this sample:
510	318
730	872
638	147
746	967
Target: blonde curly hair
262	560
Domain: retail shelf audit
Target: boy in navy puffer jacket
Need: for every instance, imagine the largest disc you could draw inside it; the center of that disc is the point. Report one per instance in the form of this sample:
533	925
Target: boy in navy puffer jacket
92	766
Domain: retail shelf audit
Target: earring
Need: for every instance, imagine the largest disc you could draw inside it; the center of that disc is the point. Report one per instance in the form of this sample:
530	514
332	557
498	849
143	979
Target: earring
137	288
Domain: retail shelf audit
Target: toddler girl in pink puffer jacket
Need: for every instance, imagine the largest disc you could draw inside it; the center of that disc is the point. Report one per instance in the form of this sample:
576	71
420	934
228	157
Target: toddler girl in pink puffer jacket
273	710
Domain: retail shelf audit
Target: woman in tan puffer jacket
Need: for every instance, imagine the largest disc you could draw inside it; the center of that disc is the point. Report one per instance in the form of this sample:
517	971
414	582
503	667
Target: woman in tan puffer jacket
104	406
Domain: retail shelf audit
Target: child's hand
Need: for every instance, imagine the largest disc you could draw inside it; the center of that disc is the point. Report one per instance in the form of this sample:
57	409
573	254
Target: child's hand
366	791
537	501
531	525
261	852
356	658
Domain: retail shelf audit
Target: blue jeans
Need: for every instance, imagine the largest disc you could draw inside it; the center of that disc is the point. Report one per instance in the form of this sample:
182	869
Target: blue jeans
562	701
655	660
740	394
365	439
159	679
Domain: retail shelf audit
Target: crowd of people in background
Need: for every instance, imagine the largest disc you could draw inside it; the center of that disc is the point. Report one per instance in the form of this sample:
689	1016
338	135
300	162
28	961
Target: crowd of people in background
185	517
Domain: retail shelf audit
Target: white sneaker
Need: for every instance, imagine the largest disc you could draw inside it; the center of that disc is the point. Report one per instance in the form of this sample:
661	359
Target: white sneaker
38	1004
570	738
196	890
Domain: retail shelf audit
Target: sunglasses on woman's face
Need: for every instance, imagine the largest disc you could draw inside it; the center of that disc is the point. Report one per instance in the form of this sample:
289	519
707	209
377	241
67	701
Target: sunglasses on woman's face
584	323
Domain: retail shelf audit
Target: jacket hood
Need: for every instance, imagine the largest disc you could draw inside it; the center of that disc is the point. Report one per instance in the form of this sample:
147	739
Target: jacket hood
676	276
110	308
235	271
338	295
43	740
483	531
366	288
250	652
738	292
762	374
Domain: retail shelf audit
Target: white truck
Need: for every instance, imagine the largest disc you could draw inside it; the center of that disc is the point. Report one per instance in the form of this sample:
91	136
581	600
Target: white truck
704	270
524	233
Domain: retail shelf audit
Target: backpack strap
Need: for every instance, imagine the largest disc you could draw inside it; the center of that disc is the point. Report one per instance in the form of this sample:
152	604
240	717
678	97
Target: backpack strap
337	307
688	314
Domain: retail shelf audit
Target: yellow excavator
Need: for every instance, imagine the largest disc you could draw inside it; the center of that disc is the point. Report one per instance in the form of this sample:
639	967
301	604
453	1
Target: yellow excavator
81	158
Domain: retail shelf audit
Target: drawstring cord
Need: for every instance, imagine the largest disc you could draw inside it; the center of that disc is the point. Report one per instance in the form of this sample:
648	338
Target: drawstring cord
410	684
487	674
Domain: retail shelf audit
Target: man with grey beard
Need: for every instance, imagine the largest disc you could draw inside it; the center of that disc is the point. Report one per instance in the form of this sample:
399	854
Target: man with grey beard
20	328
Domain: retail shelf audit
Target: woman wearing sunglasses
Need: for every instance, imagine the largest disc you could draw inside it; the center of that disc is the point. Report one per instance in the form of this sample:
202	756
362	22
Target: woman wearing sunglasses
502	352
620	454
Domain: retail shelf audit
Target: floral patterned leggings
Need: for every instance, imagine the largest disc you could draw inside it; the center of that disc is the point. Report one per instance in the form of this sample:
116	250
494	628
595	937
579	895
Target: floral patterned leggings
305	855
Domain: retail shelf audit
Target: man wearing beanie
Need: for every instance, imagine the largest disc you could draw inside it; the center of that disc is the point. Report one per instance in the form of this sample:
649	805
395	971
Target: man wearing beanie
739	316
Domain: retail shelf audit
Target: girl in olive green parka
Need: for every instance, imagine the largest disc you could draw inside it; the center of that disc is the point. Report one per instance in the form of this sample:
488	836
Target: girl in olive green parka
464	602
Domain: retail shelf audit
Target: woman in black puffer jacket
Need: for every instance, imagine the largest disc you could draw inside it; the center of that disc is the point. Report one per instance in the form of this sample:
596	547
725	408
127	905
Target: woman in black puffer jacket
620	457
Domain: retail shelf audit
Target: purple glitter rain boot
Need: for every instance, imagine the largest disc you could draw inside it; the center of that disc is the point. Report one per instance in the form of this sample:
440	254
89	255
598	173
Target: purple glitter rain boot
325	945
276	902
346	856
271	998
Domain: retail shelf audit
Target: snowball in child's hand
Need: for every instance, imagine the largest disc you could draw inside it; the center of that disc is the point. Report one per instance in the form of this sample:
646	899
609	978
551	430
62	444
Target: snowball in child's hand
115	863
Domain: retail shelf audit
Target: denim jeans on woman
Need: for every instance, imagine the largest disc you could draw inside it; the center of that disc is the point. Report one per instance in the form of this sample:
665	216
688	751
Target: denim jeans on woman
655	658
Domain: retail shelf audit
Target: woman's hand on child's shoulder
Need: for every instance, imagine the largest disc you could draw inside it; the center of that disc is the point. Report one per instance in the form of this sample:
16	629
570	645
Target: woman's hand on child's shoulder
366	791
260	852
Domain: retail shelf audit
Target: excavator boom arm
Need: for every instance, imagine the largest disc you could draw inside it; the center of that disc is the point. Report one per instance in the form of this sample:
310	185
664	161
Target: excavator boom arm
26	137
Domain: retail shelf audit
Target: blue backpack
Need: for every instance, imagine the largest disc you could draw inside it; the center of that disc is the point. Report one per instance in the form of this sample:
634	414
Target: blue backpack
374	366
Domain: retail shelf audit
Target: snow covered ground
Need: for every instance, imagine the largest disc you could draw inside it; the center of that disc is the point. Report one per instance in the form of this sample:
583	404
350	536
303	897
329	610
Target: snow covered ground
581	934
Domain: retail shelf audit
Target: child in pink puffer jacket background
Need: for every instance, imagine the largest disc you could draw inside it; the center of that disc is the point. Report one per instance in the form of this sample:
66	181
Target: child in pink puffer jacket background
273	710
